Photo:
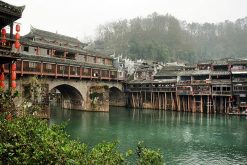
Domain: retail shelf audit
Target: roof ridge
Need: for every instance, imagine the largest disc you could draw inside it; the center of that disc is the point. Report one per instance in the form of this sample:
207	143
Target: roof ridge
64	37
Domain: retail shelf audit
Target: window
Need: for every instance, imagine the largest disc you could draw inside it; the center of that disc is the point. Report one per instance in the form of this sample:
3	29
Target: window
32	65
48	66
62	68
26	49
74	69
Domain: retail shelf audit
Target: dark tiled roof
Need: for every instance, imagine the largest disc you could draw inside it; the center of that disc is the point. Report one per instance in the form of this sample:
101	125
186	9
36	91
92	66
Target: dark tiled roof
11	9
26	41
52	36
9	13
237	61
172	70
151	81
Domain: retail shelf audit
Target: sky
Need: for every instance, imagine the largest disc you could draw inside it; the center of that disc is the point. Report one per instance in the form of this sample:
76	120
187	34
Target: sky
80	18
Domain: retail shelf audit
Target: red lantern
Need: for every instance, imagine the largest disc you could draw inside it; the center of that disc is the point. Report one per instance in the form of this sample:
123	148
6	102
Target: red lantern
2	77
17	36
3	39
13	67
13	84
4	31
13	75
2	85
17	28
17	44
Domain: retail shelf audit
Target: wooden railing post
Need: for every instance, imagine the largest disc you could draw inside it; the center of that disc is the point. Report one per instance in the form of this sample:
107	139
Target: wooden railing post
21	67
56	70
80	72
91	73
69	72
41	68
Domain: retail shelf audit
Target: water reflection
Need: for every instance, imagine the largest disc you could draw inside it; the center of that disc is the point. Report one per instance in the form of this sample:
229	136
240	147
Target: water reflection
185	138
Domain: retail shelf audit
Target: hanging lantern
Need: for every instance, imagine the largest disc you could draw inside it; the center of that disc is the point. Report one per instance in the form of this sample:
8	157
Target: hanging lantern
2	77
17	44
13	84
13	75
17	36
3	31
17	28
13	67
2	85
3	39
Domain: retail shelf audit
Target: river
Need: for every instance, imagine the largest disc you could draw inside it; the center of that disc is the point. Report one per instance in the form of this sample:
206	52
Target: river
183	138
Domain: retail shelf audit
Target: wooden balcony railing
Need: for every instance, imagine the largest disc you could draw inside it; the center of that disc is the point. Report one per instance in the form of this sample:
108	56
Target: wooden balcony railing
25	67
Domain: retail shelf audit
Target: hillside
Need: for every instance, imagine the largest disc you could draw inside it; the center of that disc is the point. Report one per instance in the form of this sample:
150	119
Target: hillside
165	38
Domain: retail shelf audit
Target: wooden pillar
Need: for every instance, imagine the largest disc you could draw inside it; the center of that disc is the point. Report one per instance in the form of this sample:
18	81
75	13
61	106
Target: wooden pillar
172	101
229	105
91	73
81	72
201	105
132	99
225	106
178	101
22	67
145	98
165	101
189	104
194	105
221	104
41	68
158	100
56	70
208	105
69	73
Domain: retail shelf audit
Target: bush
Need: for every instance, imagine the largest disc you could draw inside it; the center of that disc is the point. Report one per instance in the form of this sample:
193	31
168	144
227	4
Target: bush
28	140
147	156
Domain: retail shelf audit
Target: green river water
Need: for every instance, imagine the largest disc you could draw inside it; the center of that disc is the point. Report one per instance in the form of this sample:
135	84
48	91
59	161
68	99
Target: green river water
183	138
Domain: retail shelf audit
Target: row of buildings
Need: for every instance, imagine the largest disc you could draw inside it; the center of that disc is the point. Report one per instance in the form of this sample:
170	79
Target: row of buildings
213	87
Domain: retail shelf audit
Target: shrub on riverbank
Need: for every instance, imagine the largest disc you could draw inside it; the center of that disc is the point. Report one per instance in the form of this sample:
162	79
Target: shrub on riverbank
28	140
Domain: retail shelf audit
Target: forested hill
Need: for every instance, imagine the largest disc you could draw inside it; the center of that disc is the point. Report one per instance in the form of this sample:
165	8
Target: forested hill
165	38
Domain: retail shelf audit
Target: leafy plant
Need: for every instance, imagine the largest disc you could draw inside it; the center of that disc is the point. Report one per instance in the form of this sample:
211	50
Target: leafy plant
147	156
28	140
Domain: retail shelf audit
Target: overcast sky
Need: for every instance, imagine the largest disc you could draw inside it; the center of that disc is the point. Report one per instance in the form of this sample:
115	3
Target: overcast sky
80	18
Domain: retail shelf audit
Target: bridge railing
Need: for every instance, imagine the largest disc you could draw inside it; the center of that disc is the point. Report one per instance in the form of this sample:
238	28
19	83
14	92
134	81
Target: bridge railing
63	70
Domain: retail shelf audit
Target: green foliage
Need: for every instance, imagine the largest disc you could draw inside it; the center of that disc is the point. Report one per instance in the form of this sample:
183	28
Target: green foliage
95	95
165	38
6	100
106	153
148	156
28	140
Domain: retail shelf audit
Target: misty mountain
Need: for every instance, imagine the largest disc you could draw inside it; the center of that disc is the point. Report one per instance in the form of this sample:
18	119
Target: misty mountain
165	38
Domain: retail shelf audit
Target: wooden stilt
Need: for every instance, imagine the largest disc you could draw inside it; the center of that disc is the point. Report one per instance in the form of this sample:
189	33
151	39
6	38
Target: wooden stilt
201	105
165	101
172	101
189	108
